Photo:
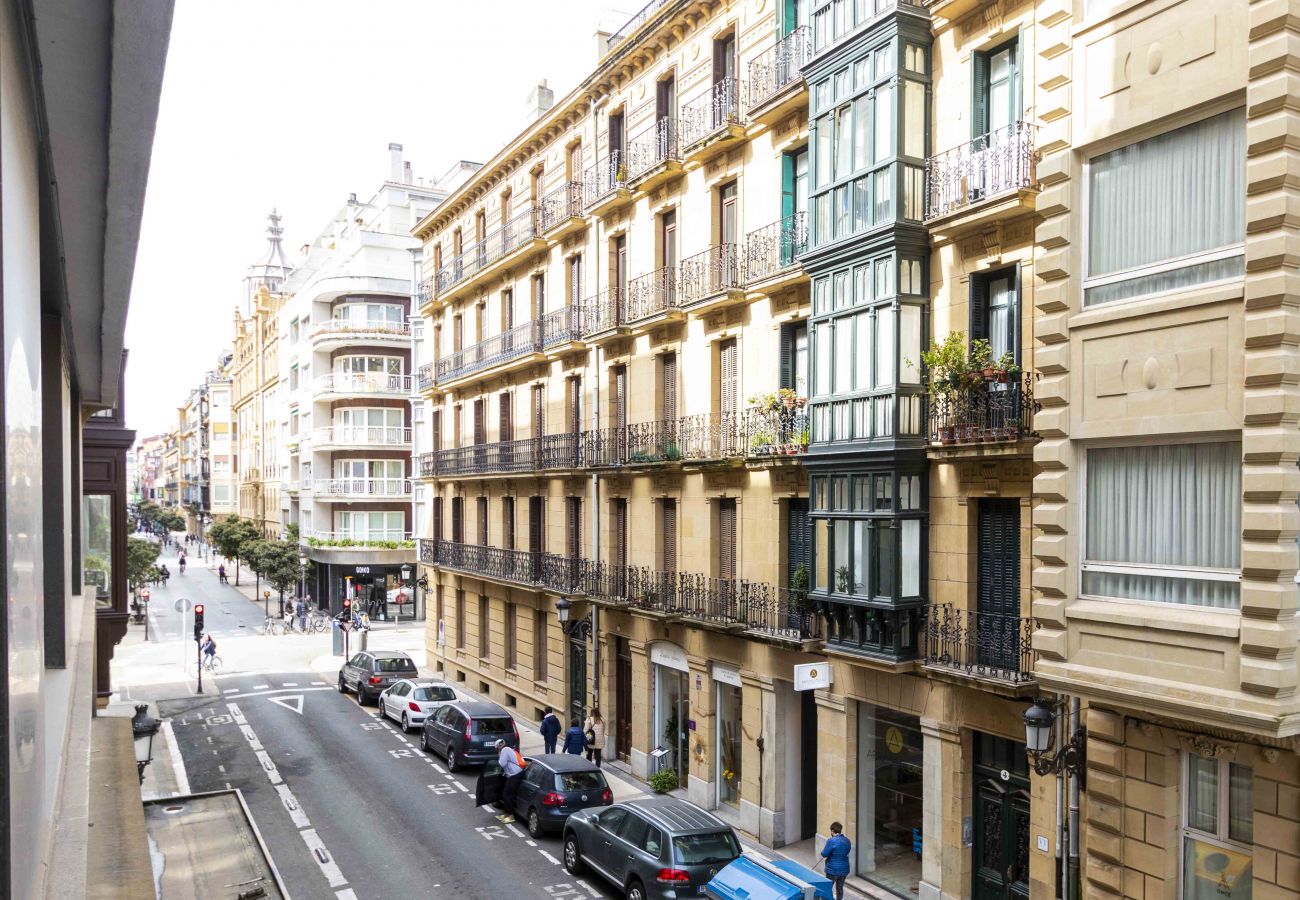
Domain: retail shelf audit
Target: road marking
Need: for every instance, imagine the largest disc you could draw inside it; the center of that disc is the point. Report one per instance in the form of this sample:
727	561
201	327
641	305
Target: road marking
439	768
348	894
591	890
230	690
531	843
292	702
318	682
259	687
553	860
178	764
461	786
280	691
491	832
515	831
290	802
443	788
288	684
327	864
221	769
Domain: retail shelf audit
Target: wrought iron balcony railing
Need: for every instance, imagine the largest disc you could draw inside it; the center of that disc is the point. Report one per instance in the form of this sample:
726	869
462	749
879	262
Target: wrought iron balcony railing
426	464
778	66
718	435
711	273
525	567
651	294
708	114
634	23
500	348
427	377
363	383
777	432
425	290
656	145
552	451
981	169
981	645
560	326
604	311
990	412
496	244
361	487
561	204
604	178
362	435
775	248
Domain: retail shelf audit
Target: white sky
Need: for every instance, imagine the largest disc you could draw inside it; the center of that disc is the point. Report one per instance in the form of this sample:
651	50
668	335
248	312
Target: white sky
292	104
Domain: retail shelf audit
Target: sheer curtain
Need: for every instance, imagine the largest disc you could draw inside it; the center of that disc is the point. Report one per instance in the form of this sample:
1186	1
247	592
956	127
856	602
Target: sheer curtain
1168	197
1177	505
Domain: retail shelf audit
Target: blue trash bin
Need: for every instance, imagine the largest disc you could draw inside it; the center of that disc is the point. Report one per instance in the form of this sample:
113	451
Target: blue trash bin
751	878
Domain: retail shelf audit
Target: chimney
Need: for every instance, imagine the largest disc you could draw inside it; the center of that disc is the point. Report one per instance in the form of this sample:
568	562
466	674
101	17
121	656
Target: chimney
602	43
540	99
407	177
394	162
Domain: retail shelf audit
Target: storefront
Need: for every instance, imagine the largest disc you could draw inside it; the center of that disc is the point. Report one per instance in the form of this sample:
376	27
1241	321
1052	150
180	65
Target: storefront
671	715
377	590
727	740
889	802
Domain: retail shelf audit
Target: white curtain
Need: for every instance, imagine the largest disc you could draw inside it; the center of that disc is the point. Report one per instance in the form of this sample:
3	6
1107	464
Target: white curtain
1180	193
1176	505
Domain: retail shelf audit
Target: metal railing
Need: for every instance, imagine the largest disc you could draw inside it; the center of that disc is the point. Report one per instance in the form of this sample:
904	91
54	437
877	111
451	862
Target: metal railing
425	290
634	23
982	168
651	294
716	435
360	330
361	487
500	348
775	247
552	451
714	110
989	413
363	383
604	311
982	645
779	432
708	274
426	464
778	66
603	178
561	204
657	144
560	326
495	245
427	377
362	435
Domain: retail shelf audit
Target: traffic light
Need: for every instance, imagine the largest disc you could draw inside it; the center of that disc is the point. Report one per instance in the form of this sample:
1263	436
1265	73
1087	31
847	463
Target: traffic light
198	621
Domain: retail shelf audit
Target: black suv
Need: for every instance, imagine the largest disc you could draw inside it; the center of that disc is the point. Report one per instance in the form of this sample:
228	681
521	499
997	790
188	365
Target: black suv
555	786
468	731
372	672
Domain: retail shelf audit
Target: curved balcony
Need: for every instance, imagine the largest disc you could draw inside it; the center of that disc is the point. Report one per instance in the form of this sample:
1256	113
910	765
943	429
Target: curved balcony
652	296
772	254
361	384
344	437
712	278
331	489
605	186
518	346
603	314
336	333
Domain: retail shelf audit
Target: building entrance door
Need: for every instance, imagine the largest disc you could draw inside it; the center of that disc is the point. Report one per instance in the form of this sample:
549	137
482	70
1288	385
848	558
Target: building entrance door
1000	858
578	678
622	698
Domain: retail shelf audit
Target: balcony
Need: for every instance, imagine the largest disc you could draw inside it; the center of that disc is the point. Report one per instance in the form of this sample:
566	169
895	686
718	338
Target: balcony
521	456
775	435
990	418
336	333
985	647
561	211
517	236
772	254
604	185
697	438
776	86
877	632
634	23
425	292
653	157
559	328
348	436
427	377
361	384
517	346
376	540
521	567
712	278
602	315
713	123
426	464
652	297
982	181
330	489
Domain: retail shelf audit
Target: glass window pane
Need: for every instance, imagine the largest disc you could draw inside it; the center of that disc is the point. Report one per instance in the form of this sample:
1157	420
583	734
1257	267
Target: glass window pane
97	525
821	555
883	120
1202	793
1241	804
884	346
864	382
861	556
842	298
843	141
884	61
909	341
885	278
911	558
843	211
824	134
861	74
884	195
843	575
822	215
884	492
822	350
861	285
861	134
821	296
885	561
914	119
843	355
862	204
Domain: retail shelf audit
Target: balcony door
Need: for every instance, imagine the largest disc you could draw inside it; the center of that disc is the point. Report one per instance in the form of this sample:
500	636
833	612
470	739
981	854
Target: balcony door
665	112
995	311
997	597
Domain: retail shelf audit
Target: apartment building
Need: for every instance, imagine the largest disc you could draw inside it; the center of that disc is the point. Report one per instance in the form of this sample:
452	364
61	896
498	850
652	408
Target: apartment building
223	495
192	431
171	470
346	353
255	376
148	484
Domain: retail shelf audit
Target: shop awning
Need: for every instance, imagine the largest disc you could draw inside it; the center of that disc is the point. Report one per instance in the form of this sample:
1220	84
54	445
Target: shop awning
751	878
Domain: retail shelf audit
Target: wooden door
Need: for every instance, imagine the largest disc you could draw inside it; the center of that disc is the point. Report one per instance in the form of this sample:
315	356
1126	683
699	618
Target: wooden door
622	698
997	596
1000	820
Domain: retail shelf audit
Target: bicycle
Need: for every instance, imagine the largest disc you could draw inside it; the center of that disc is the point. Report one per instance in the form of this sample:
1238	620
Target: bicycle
271	625
317	623
211	666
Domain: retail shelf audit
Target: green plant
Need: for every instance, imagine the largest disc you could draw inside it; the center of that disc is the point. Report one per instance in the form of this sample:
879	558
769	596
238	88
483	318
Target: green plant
232	537
799	581
981	355
663	781
842	579
760	440
672	453
804	436
944	363
140	558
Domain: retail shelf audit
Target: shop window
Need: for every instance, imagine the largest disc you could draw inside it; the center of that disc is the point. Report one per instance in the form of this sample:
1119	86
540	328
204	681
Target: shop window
890	799
1218	829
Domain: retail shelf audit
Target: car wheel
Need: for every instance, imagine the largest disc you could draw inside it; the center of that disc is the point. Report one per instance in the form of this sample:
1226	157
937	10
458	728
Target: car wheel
635	891
452	762
424	742
406	724
343	688
534	824
572	855
361	696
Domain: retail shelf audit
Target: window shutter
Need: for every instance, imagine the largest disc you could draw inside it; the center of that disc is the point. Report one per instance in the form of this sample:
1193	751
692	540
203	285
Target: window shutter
979	308
437	429
575	527
575	405
787	185
979	102
620	533
508	522
457	521
539	411
437	518
669	513
480	426
727	398
507	310
505	427
534	524
620	396
482	521
727	538
670	386
786	375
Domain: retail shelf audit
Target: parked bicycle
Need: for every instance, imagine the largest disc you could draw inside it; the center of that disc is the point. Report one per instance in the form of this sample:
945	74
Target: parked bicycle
271	625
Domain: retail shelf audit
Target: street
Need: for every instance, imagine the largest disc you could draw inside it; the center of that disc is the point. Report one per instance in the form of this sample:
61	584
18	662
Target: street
347	805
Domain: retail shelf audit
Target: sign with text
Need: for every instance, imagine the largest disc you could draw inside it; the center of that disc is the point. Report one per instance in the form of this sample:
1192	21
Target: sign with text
811	676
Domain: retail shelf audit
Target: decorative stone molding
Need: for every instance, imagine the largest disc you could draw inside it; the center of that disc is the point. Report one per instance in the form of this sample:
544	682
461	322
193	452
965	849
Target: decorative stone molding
1204	746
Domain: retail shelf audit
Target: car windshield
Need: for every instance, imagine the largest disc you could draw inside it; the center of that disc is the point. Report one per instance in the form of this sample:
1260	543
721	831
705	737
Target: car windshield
580	781
494	726
434	693
713	847
393	664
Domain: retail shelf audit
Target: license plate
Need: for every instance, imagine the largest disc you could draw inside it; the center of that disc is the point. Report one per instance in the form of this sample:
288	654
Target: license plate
700	889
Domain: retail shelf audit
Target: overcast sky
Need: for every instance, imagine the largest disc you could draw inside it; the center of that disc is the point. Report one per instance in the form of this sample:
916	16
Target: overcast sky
292	104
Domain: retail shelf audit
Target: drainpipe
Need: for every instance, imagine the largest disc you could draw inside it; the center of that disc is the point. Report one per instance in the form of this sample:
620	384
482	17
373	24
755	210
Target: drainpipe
595	479
1072	889
1060	819
410	417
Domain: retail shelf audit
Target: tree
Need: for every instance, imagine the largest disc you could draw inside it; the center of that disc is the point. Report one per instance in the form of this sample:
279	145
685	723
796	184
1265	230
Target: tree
256	554
140	558
282	566
232	537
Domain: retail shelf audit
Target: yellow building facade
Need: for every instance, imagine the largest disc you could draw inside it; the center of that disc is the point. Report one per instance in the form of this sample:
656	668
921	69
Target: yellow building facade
255	374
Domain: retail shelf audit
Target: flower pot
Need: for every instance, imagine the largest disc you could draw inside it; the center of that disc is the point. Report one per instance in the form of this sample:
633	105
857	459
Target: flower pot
988	372
1001	376
787	402
990	435
947	434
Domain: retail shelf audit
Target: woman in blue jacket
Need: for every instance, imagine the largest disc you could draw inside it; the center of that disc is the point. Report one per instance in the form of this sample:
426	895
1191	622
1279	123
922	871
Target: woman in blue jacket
575	741
836	853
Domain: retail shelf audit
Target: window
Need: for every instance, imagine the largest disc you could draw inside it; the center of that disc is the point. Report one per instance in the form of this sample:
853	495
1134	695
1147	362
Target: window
512	636
539	645
484	626
996	86
794	357
1169	212
460	619
1218	829
995	311
1163	523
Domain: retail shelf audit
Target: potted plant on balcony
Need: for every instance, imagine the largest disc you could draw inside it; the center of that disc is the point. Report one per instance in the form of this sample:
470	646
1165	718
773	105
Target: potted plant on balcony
981	358
945	365
761	443
1003	367
788	397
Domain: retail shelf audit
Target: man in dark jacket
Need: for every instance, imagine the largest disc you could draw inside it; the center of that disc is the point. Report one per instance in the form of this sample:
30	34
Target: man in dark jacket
575	741
550	729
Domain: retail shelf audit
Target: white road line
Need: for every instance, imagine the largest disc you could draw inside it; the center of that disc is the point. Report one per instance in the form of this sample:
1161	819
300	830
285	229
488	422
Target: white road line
323	859
319	682
288	684
554	861
461	786
515	831
230	690
348	894
439	768
259	687
290	802
531	843
590	890
178	764
279	691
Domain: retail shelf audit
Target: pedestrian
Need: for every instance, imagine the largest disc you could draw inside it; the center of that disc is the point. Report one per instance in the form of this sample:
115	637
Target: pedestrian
574	742
221	574
513	765
594	729
301	609
550	728
836	852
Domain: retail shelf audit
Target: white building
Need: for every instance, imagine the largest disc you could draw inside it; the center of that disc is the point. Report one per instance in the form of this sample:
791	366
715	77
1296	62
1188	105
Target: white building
346	356
223	496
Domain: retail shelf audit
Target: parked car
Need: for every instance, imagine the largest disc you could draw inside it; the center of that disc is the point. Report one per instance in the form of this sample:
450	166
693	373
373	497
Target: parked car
654	848
410	702
369	673
555	786
467	732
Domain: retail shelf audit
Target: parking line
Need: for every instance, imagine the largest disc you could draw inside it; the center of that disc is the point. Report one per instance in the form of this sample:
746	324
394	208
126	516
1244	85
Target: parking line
553	860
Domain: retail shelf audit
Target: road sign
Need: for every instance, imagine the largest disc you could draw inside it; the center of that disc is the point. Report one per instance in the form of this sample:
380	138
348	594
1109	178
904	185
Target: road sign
144	595
293	702
182	605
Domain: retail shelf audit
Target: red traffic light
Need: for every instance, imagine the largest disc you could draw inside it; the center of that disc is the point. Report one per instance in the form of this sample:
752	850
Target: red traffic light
346	602
198	609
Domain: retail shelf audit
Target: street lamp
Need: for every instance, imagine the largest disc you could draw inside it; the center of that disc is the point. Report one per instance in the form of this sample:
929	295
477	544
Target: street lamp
143	728
579	629
1040	731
